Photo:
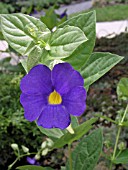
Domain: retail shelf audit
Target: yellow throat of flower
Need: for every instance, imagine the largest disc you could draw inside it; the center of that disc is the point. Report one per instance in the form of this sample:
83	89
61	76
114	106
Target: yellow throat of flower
54	98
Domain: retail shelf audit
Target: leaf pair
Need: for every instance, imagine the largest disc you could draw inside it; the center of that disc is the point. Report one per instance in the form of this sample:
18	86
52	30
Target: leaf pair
28	36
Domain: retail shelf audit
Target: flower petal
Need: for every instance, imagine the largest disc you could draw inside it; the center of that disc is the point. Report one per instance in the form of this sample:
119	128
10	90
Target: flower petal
37	81
74	101
33	105
64	78
54	116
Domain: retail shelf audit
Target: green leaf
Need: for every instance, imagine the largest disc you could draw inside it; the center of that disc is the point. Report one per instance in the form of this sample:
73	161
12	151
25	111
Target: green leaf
122	89
87	152
50	19
52	133
56	133
64	41
63	168
74	121
79	132
97	65
20	30
34	57
87	23
122	158
125	124
24	64
33	167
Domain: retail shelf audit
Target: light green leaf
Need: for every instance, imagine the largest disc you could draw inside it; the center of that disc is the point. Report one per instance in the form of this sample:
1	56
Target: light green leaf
20	30
56	133
33	167
122	89
64	41
79	132
24	64
87	152
63	168
34	57
97	65
125	124
52	133
74	121
122	158
87	23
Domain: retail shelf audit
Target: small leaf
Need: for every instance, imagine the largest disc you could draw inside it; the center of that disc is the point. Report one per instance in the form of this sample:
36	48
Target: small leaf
52	133
79	132
33	167
56	133
24	64
97	65
122	89
34	57
87	23
87	152
74	121
122	158
64	41
20	30
50	19
125	124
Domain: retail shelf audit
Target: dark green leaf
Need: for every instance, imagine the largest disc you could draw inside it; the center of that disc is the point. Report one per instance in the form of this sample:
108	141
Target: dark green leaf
86	22
79	132
87	152
50	19
97	65
33	167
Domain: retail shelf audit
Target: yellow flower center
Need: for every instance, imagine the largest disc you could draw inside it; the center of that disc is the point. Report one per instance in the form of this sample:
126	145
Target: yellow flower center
54	98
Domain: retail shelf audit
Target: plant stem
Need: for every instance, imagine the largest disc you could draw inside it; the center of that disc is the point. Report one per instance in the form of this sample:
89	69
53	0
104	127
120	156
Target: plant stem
117	137
126	110
70	156
18	158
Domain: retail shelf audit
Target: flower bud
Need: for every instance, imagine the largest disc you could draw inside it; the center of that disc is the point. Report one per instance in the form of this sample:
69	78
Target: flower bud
50	142
25	149
45	151
47	47
43	145
37	156
122	146
14	146
70	129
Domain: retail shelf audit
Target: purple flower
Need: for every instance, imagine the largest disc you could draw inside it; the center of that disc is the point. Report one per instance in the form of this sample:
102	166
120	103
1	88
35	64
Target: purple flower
51	96
32	161
63	14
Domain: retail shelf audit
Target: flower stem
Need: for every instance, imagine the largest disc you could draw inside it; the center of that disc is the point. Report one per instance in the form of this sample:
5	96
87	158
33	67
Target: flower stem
115	147
126	110
70	156
117	137
18	158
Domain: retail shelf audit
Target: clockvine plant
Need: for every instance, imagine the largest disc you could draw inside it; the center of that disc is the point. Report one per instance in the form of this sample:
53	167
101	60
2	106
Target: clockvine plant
60	67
